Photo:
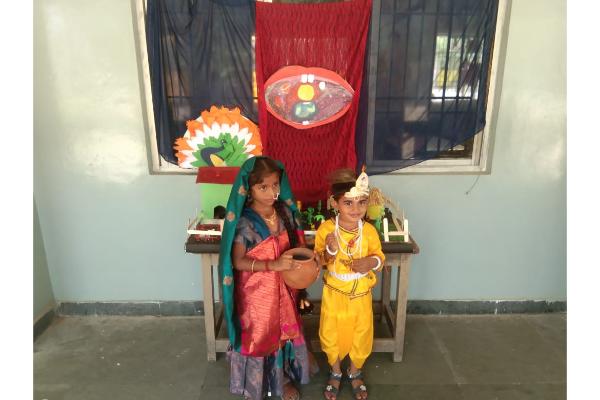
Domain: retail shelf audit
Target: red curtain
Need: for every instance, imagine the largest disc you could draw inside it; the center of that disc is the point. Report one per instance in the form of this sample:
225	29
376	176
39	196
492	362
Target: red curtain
327	35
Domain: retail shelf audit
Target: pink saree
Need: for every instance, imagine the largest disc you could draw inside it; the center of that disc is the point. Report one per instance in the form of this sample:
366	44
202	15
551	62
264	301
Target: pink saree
265	305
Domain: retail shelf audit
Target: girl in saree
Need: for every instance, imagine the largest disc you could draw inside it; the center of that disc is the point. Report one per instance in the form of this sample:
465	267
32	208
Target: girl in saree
268	353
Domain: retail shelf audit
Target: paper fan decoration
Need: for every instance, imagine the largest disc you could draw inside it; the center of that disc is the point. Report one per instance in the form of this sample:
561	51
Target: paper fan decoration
220	137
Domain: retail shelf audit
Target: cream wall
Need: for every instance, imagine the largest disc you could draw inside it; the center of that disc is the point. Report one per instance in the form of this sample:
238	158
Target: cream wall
112	231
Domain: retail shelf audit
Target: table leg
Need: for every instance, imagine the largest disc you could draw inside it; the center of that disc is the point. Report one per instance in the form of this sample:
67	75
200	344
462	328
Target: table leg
401	299
220	313
209	312
215	264
386	282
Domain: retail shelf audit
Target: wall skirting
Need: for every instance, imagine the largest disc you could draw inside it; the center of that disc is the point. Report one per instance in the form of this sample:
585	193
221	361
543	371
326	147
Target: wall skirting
43	322
156	308
196	308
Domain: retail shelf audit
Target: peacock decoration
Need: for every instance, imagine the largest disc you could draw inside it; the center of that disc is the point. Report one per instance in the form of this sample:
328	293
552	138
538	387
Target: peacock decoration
220	137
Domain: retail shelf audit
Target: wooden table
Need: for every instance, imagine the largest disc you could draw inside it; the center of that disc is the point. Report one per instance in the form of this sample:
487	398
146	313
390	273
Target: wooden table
398	254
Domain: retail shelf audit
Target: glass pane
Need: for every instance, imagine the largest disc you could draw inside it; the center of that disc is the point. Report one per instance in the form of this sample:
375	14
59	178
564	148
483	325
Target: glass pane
433	58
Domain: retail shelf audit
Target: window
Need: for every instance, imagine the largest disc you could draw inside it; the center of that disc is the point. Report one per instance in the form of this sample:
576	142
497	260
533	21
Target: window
427	58
191	55
441	39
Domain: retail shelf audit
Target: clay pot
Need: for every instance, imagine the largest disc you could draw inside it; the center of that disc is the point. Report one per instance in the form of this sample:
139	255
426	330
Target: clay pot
304	276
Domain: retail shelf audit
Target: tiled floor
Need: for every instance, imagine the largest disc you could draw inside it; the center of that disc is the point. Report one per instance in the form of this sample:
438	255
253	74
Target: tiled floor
475	357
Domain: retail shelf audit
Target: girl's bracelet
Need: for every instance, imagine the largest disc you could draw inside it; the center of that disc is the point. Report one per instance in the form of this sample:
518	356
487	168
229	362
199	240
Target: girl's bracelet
252	268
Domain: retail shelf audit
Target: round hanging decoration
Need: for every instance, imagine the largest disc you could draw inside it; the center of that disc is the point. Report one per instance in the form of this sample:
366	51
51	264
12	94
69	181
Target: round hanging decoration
305	97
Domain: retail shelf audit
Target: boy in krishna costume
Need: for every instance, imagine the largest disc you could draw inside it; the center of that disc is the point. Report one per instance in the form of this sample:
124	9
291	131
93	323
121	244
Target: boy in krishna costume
352	251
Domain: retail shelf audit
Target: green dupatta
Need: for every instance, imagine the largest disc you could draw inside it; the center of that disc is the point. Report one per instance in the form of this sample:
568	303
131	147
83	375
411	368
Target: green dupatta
235	206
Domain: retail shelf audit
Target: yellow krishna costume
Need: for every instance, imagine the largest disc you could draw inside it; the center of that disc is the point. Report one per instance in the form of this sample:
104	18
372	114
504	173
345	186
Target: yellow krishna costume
346	325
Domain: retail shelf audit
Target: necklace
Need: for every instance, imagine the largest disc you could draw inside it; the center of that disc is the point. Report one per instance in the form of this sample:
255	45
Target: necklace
348	245
271	219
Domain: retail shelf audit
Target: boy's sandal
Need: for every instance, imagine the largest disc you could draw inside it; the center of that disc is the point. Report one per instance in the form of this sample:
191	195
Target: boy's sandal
330	389
360	389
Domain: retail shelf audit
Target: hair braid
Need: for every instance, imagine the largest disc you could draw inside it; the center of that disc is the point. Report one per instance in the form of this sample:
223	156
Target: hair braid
292	235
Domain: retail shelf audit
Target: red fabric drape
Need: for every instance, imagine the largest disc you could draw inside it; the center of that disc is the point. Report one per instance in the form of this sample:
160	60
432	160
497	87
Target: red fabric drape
327	35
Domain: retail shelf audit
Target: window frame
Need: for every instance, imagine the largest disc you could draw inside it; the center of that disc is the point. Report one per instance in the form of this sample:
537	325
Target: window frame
481	158
156	163
479	163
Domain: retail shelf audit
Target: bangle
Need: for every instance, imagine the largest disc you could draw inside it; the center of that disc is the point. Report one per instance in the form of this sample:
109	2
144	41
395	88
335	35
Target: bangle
378	263
267	265
252	269
329	251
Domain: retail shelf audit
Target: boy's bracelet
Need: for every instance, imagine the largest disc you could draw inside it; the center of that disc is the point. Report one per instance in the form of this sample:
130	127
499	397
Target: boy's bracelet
378	263
331	253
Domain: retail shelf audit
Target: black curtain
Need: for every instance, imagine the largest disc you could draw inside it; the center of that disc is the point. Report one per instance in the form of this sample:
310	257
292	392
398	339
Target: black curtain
431	81
200	54
433	59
